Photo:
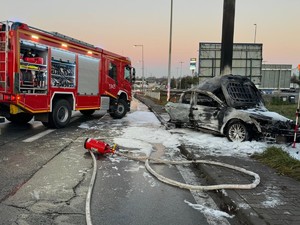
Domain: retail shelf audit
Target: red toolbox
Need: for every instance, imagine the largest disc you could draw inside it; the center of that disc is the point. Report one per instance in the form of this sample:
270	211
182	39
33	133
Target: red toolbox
36	60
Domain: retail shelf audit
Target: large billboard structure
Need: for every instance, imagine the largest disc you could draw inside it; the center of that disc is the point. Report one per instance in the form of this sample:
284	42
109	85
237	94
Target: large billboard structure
276	76
246	60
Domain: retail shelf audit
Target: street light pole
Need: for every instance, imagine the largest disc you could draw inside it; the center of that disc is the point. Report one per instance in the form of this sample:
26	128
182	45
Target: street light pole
142	46
181	68
170	51
255	27
180	72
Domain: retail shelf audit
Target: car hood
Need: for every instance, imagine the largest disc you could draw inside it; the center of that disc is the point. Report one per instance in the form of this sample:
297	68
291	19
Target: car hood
265	114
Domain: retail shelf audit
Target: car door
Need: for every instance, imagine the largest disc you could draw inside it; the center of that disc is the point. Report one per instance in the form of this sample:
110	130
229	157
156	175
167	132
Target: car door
179	112
205	111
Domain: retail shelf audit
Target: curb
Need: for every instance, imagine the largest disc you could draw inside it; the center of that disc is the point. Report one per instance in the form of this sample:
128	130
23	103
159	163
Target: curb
162	121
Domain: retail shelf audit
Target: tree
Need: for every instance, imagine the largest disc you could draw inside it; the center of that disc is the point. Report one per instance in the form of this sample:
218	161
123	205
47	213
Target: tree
295	80
188	81
173	83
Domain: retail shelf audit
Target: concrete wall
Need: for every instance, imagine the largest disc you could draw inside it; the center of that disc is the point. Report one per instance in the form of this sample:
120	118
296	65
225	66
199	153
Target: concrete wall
155	95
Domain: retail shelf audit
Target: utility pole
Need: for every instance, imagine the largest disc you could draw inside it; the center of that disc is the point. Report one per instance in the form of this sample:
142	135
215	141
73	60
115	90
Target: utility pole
227	37
170	53
180	72
143	75
180	68
255	27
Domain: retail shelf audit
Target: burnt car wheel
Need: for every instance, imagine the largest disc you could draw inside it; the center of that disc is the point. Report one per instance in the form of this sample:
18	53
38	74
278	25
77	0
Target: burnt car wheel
237	131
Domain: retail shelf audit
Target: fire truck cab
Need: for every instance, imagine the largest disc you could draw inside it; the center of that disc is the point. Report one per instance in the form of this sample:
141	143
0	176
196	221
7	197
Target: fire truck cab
47	75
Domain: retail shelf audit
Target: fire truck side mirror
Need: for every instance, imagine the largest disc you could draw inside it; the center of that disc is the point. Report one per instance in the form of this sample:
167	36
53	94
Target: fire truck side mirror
133	75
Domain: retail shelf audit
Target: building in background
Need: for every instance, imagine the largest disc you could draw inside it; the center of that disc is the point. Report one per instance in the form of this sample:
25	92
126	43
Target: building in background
276	76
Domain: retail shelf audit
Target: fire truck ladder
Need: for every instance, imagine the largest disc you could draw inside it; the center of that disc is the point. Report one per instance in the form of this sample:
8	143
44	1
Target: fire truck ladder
4	57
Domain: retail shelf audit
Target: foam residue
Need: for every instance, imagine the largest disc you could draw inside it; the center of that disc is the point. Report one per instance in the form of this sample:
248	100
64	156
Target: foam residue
209	211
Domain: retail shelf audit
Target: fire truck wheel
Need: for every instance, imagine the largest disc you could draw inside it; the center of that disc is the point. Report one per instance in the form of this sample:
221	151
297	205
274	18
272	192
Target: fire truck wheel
20	118
120	111
87	112
46	124
61	114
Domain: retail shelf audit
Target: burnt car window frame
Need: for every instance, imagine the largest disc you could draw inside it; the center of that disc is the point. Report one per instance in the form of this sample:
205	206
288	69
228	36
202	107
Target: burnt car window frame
206	100
241	92
185	100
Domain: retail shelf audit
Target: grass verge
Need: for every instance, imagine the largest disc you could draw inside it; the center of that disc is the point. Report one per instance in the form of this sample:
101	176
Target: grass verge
288	111
281	161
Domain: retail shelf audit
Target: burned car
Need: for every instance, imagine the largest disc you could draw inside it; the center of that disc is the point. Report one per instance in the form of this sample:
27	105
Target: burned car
232	106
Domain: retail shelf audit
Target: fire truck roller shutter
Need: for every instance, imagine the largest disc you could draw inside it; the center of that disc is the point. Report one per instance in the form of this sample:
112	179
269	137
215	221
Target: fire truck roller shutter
62	56
88	75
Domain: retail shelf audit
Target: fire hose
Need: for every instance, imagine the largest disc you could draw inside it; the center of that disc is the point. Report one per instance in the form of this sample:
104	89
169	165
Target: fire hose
196	187
90	191
102	148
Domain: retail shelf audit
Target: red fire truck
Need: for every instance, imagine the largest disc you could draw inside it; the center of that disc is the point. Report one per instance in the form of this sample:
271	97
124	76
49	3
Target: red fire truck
48	75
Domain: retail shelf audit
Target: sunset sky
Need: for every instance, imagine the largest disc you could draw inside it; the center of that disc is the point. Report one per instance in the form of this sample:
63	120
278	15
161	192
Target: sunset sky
117	25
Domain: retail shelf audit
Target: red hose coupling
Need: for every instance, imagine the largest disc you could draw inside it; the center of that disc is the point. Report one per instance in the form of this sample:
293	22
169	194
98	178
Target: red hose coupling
99	146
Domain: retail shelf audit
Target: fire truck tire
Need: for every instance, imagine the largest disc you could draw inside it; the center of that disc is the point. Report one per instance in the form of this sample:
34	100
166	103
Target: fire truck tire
20	118
61	114
46	124
87	112
121	110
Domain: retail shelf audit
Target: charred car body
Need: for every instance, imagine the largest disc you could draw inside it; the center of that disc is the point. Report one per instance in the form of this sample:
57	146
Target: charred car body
232	106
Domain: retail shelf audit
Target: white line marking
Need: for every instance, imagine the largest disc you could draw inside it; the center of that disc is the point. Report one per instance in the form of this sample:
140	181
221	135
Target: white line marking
39	135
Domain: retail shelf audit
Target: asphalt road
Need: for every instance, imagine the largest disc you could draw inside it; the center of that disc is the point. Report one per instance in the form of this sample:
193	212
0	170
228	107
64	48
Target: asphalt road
45	176
41	170
129	195
125	193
